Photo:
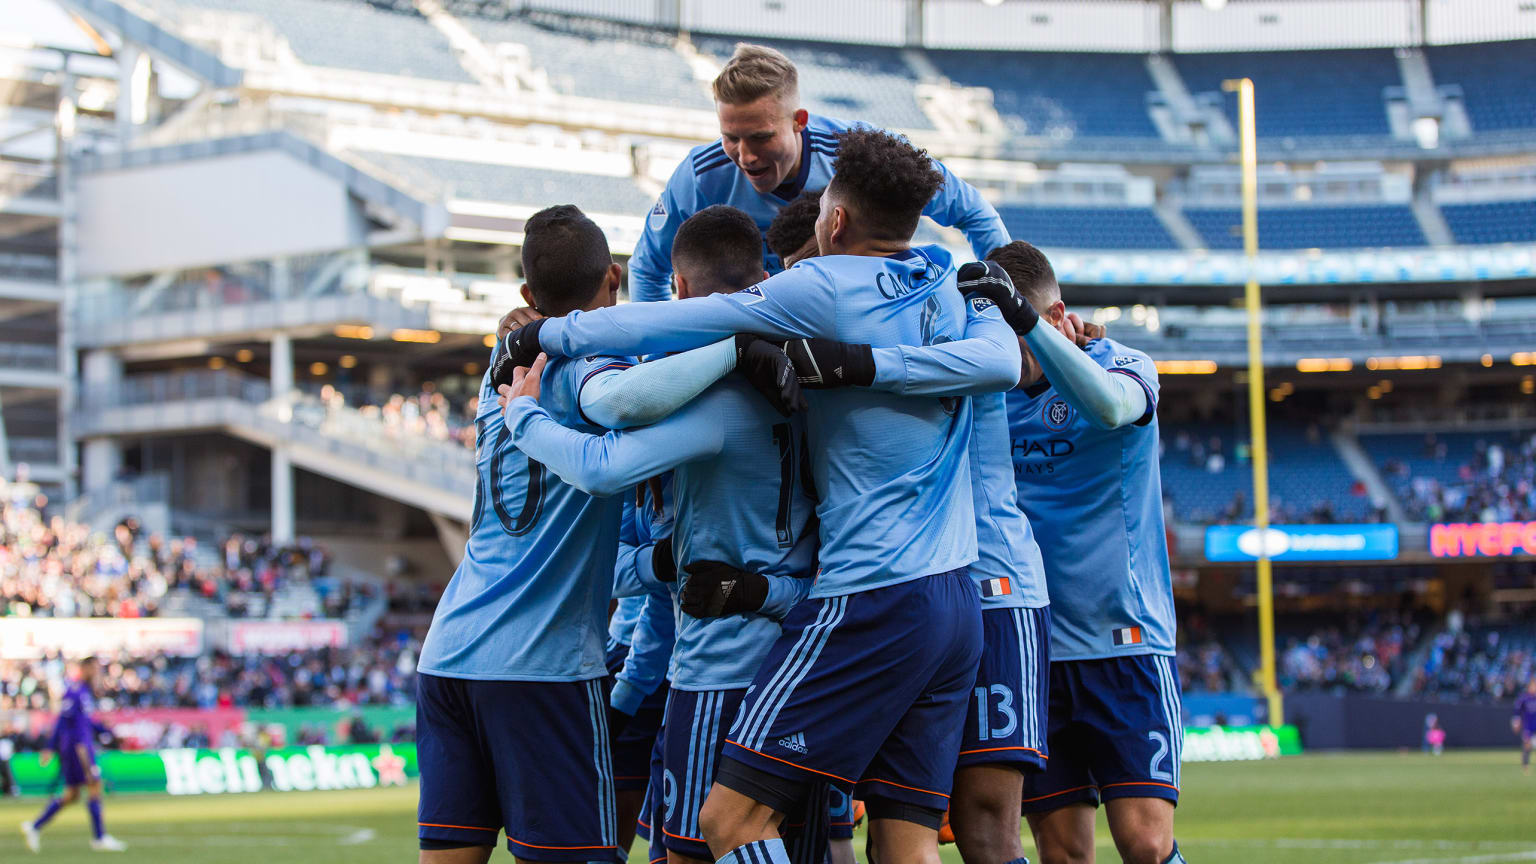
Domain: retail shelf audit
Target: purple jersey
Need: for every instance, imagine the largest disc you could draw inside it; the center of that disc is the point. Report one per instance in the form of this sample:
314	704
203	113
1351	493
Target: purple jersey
1525	709
75	726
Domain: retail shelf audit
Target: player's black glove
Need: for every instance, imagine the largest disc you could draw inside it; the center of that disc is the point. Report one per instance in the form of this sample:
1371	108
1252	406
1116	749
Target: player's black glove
769	371
823	363
715	589
520	348
662	562
987	280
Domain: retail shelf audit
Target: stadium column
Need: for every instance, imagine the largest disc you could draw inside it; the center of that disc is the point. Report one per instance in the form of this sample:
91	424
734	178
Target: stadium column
282	464
102	375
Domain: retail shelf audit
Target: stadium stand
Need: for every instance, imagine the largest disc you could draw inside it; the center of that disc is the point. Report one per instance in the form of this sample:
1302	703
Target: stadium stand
1059	95
509	184
1459	476
1206	475
378	37
1492	222
1311	227
1481	663
850	82
586	57
1497	82
1301	93
1086	227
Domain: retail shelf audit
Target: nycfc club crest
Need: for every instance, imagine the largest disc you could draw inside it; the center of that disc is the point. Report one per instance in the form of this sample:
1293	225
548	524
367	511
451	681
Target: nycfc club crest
1056	414
658	218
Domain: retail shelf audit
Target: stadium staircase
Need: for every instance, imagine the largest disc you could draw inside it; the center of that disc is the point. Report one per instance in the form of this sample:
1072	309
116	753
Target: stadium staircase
340	443
1364	468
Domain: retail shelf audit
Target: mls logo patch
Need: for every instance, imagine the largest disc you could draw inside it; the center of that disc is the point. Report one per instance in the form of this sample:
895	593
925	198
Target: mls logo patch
980	305
751	295
1057	414
658	218
1125	360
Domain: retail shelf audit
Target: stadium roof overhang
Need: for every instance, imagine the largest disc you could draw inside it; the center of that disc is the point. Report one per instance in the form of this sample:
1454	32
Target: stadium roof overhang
158	41
251	197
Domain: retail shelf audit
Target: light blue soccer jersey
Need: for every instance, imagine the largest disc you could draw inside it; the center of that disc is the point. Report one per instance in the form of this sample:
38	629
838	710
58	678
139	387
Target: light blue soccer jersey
707	177
655	628
1008	570
530	598
740	497
892	472
1097	500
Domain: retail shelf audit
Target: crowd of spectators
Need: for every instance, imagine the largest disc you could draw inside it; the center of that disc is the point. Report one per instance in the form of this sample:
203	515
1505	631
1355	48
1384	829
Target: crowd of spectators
51	567
428	414
1486	664
1497	484
1364	655
382	672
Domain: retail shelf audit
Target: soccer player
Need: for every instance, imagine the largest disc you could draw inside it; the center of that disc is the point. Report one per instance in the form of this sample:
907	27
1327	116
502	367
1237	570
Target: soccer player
869	682
770	150
73	740
792	234
1085	455
1524	723
744	523
1005	735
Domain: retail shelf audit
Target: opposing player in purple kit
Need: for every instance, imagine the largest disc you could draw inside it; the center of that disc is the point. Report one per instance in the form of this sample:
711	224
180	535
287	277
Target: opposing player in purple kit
74	743
1524	723
1085	455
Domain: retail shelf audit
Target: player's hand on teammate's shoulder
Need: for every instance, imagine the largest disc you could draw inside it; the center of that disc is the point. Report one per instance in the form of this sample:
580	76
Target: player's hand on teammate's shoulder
519	317
525	382
518	348
770	372
987	280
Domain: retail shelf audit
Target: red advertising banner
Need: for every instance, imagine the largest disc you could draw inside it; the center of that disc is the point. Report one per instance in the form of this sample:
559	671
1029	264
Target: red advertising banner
280	637
32	638
145	728
1482	539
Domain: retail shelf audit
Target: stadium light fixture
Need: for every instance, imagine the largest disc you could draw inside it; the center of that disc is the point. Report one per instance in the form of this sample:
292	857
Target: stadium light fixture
471	368
215	362
1324	364
1185	367
1487	361
1407	363
317	368
244	355
489	341
353	331
346	361
426	337
1521	358
1426	131
1528	385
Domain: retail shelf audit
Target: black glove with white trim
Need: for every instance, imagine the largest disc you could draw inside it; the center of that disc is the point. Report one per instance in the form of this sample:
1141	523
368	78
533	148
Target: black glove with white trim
823	363
988	281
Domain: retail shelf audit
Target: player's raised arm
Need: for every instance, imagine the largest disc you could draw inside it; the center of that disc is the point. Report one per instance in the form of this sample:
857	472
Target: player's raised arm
960	205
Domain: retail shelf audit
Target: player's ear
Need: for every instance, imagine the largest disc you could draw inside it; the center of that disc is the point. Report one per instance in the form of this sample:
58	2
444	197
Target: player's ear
528	297
681	284
1056	311
613	281
802	117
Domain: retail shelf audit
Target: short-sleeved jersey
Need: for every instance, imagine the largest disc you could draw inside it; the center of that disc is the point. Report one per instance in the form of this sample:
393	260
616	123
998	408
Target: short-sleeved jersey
892	472
748	506
1525	710
708	177
75	726
530	598
1095	498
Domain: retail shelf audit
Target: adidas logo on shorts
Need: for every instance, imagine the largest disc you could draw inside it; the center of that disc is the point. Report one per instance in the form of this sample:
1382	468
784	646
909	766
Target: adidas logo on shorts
795	742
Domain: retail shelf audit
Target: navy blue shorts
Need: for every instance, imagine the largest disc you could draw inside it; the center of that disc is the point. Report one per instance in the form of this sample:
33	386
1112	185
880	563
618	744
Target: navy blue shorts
653	814
1006	721
866	691
632	746
693	736
74	772
1116	731
527	756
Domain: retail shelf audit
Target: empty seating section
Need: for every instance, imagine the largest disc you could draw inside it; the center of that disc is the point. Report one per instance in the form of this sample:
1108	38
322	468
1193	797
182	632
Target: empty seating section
1302	93
1493	222
1311	227
1497	80
1086	227
511	184
367	37
615	63
1308	481
850	82
1059	95
1445	457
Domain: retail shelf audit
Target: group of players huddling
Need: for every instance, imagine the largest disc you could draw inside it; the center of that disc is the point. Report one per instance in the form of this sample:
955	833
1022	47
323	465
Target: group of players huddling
817	507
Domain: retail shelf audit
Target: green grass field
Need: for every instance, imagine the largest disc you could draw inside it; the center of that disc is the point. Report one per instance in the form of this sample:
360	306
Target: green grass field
1470	807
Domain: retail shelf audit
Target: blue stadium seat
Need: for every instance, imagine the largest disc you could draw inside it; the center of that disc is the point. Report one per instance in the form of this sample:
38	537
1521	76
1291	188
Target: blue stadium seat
599	62
1311	227
1497	79
1086	227
1492	222
534	187
1059	95
849	82
1302	93
346	34
1302	474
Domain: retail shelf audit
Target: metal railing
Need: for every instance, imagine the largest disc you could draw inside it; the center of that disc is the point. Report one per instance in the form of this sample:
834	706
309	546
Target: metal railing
29	355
